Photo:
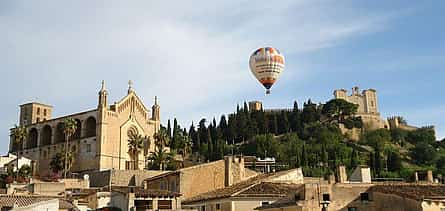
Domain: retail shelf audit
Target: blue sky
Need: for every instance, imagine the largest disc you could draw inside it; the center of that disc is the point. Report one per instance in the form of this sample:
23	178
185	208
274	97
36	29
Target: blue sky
194	54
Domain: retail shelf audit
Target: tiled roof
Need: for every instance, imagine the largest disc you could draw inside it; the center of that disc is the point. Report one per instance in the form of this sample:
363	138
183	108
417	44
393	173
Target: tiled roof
27	200
20	200
271	189
253	187
140	192
413	191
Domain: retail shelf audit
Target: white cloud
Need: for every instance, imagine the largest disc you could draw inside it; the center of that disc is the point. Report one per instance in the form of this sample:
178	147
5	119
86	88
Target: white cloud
193	54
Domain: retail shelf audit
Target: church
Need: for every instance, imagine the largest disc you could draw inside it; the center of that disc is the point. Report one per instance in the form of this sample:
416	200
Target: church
101	138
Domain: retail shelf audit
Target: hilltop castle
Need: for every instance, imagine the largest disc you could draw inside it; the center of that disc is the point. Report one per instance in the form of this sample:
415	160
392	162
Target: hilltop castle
367	106
101	138
368	111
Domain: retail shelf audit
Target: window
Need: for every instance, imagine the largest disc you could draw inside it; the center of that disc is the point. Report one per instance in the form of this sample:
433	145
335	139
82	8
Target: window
352	208
203	208
44	112
38	111
165	204
364	196
143	204
326	197
88	147
128	165
173	185
38	119
218	207
163	185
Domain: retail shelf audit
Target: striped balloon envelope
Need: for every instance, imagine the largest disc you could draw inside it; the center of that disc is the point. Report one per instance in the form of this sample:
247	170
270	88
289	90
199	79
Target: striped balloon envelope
266	65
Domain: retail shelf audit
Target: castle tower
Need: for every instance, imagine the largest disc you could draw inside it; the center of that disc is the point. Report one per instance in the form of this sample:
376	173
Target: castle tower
156	110
101	124
255	106
340	94
34	112
370	101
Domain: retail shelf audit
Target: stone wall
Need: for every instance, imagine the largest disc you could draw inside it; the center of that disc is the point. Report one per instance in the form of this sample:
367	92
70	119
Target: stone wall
202	178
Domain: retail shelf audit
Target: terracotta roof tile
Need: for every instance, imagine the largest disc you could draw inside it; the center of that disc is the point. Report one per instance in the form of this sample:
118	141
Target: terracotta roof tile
413	191
26	200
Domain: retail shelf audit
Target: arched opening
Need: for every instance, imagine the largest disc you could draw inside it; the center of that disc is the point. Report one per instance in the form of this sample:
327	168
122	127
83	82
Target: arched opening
60	137
46	134
90	129
32	138
78	130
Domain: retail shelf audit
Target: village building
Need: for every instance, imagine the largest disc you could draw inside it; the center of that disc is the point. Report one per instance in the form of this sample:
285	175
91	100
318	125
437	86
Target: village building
246	195
101	139
194	180
130	198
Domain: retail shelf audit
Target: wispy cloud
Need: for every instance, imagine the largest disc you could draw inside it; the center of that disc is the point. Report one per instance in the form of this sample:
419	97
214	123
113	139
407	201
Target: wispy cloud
193	54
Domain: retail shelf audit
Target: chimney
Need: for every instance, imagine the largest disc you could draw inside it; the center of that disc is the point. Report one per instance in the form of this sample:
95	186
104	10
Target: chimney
416	177
341	174
234	170
429	176
228	179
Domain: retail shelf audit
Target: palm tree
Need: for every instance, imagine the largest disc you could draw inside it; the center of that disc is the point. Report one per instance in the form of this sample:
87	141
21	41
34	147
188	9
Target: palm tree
69	129
57	162
135	144
185	145
162	139
160	158
19	134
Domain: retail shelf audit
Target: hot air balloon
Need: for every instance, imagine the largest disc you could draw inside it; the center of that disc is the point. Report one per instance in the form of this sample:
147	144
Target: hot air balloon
266	65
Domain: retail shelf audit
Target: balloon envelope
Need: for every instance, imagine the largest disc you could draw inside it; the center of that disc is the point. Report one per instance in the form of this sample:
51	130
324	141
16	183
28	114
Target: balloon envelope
266	65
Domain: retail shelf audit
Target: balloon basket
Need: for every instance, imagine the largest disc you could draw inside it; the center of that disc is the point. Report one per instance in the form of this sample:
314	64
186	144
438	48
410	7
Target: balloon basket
267	92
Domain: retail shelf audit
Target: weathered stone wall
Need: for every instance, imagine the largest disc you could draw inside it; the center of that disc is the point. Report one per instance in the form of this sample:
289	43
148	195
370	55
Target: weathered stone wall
202	178
47	188
76	183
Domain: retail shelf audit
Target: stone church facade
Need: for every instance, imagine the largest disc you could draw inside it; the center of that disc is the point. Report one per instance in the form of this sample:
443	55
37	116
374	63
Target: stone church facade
101	138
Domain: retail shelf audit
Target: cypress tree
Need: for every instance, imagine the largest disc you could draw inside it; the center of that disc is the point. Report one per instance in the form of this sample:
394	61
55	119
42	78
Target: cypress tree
245	108
210	146
193	135
223	128
354	159
175	138
275	124
304	161
169	129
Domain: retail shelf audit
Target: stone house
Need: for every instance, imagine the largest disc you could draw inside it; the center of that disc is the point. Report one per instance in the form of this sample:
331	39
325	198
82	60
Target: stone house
129	198
194	180
100	141
247	195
